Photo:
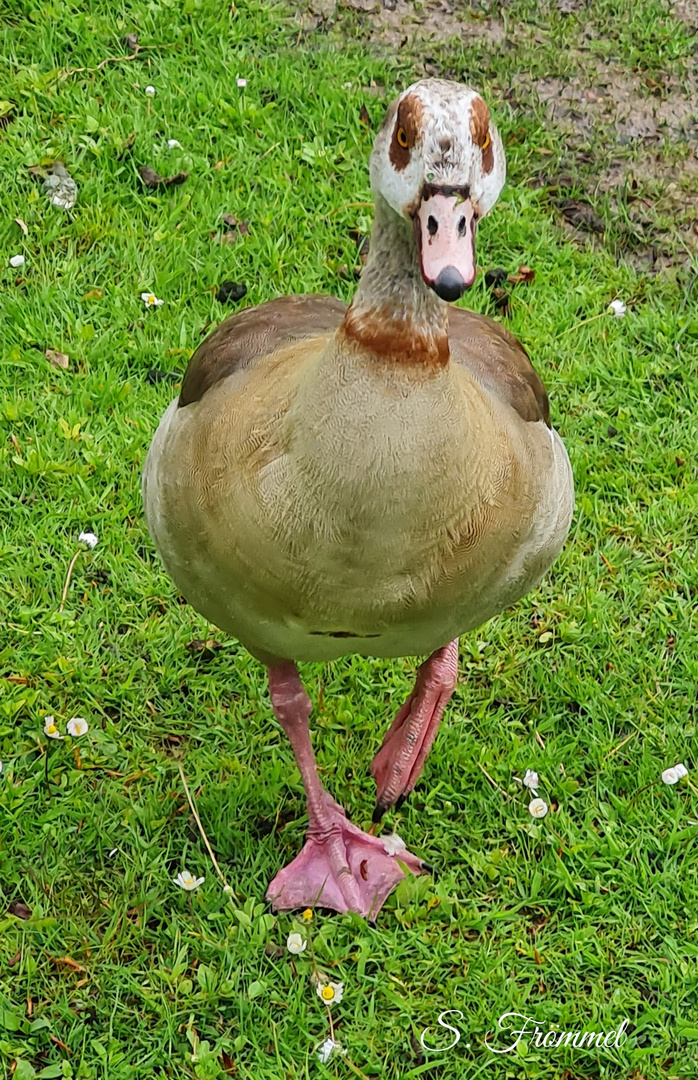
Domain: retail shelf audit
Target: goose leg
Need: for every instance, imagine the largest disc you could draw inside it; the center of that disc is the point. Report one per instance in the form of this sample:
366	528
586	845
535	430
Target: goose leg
399	762
340	866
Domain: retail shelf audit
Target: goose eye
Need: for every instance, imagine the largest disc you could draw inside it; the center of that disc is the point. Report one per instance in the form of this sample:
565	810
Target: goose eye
402	137
486	142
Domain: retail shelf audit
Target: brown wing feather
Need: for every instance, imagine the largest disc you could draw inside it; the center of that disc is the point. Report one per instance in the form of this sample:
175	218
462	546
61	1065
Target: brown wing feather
256	332
499	362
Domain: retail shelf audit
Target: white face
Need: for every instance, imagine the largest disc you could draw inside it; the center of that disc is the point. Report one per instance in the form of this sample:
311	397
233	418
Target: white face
438	160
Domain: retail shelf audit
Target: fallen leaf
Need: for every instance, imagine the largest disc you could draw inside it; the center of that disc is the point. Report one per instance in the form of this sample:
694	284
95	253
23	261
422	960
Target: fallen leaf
229	292
58	359
20	909
364	117
581	214
93	294
15	959
22	226
152	179
237	228
61	189
227	1064
68	961
59	1043
207	648
129	41
274	951
524	274
501	301
36	170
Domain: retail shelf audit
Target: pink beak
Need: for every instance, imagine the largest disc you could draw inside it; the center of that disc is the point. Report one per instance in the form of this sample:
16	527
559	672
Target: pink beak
445	230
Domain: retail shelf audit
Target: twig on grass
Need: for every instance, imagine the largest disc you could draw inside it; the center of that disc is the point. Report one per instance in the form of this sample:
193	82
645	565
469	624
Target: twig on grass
226	887
113	60
582	323
492	782
68	577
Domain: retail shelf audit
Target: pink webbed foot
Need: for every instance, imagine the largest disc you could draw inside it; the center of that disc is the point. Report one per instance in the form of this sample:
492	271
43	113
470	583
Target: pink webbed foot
341	867
399	762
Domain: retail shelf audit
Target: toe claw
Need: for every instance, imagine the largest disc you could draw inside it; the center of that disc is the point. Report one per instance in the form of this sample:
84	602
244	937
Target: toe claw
401	800
378	812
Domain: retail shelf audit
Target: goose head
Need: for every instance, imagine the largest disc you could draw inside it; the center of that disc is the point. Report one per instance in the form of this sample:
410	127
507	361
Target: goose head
438	162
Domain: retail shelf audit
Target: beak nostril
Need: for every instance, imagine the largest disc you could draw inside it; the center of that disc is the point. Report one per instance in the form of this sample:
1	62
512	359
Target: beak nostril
432	225
461	226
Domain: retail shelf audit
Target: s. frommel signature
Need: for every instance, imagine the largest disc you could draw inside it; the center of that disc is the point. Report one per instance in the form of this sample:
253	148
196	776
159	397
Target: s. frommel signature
534	1031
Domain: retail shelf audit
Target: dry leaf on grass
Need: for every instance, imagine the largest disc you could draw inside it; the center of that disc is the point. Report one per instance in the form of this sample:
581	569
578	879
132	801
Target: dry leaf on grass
524	273
58	359
22	226
198	645
20	909
152	179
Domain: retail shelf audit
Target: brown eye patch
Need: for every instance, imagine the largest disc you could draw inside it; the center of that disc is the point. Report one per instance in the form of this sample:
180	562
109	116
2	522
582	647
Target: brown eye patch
407	124
480	131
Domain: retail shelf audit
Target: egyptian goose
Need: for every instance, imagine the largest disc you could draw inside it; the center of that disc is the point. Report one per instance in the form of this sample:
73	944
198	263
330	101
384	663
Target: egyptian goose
372	479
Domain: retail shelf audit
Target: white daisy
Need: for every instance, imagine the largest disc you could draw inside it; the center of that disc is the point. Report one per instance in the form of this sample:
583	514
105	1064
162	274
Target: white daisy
172	143
618	308
241	83
187	881
150	91
88	538
51	729
151	300
77	726
331	992
538	808
296	943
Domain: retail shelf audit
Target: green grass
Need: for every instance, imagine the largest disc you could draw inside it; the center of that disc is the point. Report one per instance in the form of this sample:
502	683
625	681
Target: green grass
579	920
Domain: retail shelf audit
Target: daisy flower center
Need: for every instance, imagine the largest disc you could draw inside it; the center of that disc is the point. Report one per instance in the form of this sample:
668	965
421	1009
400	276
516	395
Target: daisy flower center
327	993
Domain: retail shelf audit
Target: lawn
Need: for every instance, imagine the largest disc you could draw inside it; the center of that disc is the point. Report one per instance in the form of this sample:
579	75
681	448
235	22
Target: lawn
107	969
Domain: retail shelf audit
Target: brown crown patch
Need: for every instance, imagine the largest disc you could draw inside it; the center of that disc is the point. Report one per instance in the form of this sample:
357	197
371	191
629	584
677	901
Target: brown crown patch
396	340
409	120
